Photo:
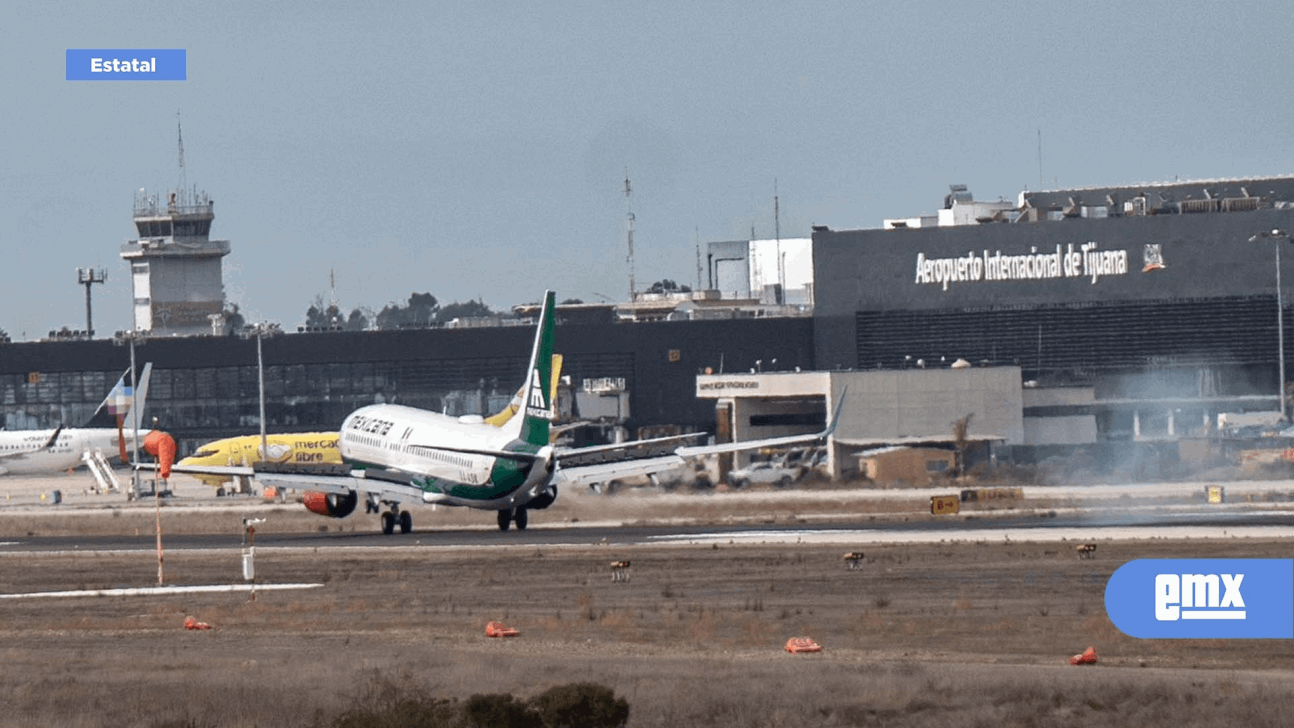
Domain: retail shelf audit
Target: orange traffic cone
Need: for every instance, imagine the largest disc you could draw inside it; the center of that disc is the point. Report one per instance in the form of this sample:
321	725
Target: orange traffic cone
802	644
1088	657
191	623
496	629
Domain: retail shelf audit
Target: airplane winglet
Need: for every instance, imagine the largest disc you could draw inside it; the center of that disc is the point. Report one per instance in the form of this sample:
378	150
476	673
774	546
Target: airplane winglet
835	417
52	438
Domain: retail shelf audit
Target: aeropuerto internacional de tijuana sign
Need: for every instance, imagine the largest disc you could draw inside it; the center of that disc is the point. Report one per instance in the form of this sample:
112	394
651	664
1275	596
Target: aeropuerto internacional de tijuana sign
1070	261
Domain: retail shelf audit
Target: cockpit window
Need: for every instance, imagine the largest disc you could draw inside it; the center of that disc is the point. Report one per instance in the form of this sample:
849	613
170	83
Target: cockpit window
206	453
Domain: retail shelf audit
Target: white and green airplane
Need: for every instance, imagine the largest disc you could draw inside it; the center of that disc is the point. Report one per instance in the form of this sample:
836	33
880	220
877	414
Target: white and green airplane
395	455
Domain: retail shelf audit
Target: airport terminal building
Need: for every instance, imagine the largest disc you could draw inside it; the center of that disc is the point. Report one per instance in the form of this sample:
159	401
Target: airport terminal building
1133	313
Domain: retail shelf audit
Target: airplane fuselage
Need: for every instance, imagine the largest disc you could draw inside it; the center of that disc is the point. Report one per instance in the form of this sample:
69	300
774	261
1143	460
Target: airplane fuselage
413	441
63	454
297	448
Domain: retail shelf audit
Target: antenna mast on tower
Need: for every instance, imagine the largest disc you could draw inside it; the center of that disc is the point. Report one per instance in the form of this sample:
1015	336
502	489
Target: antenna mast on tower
184	180
777	234
698	258
630	205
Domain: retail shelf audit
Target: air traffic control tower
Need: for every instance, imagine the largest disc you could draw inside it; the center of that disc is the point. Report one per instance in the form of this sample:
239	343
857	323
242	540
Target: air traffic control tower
175	266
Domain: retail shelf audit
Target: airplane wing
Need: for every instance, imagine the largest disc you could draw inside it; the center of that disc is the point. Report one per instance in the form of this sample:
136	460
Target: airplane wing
230	471
34	448
607	472
703	450
626	450
342	481
576	467
337	479
605	462
581	473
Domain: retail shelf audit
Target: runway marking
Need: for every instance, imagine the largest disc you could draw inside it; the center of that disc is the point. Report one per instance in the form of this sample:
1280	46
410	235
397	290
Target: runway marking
156	590
862	535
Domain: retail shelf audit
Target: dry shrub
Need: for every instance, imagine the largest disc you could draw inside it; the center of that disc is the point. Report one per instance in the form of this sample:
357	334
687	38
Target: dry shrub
588	610
499	710
581	705
1003	626
625	624
701	630
1099	627
756	632
386	702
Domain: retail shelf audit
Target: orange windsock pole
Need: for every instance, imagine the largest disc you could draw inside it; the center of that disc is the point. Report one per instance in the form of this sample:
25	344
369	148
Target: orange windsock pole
121	439
161	446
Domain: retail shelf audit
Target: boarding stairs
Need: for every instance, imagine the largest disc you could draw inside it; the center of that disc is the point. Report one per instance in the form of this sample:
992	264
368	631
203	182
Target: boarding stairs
102	471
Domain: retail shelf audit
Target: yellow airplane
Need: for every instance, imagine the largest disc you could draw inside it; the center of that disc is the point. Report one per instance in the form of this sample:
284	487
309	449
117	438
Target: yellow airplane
220	461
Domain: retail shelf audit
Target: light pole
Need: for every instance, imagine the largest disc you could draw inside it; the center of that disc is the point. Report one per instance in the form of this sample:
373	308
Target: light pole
260	331
260	375
87	277
129	337
1279	235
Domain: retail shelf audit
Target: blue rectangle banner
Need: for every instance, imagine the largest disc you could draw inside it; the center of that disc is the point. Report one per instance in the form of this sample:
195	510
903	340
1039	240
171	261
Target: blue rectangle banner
139	64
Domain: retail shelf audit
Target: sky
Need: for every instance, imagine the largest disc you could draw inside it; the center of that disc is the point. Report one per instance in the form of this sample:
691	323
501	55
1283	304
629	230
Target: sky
478	151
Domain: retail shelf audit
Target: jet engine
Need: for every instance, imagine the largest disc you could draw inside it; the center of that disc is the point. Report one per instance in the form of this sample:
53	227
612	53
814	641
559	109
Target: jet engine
544	499
332	505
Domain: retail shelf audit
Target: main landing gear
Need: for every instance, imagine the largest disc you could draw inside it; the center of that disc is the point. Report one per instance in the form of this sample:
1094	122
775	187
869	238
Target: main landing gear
508	516
393	516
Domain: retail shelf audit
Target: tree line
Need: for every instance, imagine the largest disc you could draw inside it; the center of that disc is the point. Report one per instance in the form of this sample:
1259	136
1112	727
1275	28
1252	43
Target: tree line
421	310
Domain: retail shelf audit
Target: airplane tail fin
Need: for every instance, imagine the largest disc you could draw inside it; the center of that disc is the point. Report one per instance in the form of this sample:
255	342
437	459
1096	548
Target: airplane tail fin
116	407
537	405
501	418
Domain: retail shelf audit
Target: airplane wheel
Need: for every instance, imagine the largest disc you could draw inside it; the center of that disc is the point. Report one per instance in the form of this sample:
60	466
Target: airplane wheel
388	523
521	518
406	522
505	519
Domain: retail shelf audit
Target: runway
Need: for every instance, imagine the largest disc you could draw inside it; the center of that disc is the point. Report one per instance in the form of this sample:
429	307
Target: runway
847	517
1214	524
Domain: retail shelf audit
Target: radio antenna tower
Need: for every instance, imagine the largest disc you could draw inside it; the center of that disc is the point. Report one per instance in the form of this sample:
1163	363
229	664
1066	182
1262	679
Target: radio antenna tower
777	235
184	180
698	258
629	203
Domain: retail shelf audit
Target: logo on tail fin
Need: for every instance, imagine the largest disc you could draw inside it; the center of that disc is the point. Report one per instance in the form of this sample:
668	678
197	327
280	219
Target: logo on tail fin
536	406
118	400
533	427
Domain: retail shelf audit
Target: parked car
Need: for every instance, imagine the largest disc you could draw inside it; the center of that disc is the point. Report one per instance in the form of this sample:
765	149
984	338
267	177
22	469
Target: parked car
689	474
782	471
